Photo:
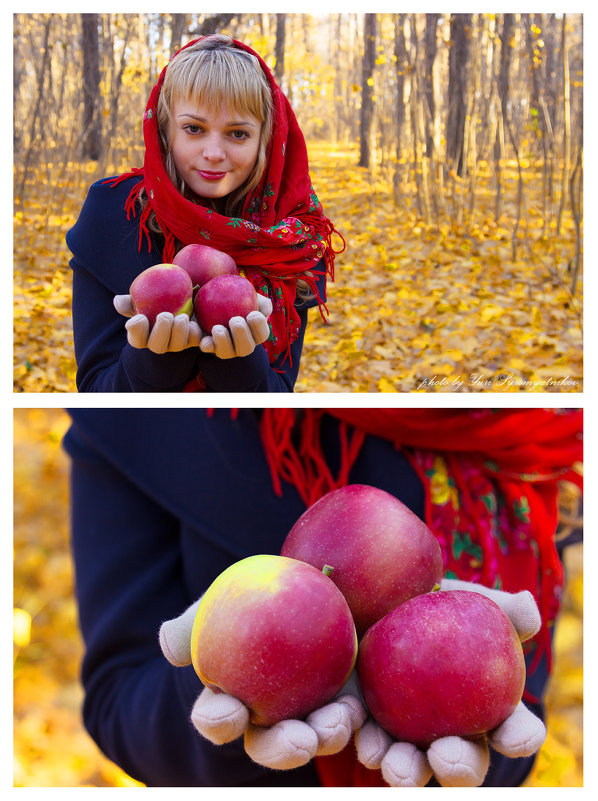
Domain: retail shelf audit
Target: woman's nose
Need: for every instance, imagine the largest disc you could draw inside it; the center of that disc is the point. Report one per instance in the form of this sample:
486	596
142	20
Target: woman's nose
213	150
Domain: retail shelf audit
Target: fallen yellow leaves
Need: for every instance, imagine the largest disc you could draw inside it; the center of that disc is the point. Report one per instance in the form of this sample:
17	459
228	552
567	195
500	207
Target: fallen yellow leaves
560	760
44	359
51	747
410	304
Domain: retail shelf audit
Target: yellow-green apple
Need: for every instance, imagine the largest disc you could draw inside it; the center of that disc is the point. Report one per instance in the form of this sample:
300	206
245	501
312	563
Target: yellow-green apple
275	633
443	663
162	288
203	262
223	297
380	552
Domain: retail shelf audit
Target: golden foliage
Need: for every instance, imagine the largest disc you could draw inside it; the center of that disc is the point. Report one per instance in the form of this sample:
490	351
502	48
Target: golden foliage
51	748
560	761
414	307
44	359
439	308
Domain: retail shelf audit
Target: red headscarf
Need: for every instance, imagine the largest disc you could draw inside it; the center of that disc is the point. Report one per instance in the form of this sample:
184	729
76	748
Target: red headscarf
283	232
490	479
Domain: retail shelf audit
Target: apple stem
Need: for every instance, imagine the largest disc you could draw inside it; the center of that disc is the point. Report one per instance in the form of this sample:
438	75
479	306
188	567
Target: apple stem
327	570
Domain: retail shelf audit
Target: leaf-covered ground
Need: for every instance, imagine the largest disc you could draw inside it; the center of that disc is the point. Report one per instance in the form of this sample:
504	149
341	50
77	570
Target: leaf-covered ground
51	748
443	308
413	308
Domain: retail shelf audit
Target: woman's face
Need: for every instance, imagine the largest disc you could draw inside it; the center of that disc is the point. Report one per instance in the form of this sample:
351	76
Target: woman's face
214	152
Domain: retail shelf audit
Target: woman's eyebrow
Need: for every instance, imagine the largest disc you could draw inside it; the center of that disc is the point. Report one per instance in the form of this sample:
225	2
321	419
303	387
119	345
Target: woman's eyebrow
230	124
194	116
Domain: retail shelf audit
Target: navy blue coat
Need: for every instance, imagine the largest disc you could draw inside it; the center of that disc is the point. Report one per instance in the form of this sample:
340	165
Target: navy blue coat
106	259
163	500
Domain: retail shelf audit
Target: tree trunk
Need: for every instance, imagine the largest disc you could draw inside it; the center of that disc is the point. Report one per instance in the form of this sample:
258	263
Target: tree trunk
502	82
488	115
534	54
428	79
356	66
400	68
418	126
35	113
178	23
504	85
476	92
576	195
538	107
567	123
550	94
458	63
18	67
339	105
549	36
91	144
115	89
505	64
279	47
367	86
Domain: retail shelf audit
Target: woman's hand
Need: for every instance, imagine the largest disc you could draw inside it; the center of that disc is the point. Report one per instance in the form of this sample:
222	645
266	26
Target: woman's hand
169	333
288	744
242	335
456	761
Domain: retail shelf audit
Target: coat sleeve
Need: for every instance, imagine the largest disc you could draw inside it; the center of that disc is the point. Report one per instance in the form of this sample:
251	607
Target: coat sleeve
129	578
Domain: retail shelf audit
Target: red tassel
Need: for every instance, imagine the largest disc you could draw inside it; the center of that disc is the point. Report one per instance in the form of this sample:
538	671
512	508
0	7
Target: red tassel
304	466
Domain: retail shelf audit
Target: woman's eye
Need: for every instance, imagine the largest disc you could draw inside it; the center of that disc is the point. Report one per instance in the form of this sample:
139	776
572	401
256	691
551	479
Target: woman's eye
192	129
239	135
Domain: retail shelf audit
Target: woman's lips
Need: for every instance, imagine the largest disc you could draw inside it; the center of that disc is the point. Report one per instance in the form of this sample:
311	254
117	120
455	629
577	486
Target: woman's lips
211	176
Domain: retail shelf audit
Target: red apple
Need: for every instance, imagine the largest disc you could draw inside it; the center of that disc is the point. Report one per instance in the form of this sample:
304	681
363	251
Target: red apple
275	633
203	263
444	663
380	551
223	297
162	288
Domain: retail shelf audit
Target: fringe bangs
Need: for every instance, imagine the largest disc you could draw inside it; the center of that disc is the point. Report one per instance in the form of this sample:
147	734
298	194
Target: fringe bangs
222	76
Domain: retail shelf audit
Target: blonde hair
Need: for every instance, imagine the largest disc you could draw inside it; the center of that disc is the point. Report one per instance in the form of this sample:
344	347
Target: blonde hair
213	72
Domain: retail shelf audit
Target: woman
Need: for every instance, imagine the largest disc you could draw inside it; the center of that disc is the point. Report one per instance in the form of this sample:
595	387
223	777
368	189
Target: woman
225	165
164	500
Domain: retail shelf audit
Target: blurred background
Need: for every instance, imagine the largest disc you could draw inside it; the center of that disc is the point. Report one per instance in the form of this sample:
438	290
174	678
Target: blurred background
51	747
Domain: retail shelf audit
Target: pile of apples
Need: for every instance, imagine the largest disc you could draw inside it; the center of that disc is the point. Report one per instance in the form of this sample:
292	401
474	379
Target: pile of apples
357	582
201	279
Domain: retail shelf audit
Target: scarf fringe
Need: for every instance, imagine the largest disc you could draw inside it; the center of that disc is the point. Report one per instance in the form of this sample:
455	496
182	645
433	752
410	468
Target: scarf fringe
304	465
130	202
325	230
